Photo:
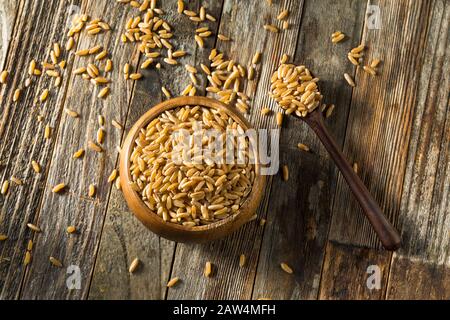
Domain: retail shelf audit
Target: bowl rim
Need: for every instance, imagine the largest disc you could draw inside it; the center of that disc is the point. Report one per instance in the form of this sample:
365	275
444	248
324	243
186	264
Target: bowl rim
151	218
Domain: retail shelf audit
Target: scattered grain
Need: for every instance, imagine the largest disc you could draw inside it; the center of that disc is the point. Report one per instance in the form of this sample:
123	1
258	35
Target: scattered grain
71	229
103	93
147	63
251	73
112	176
285	172
166	92
286	268
30	245
16	180
58	187
210	17
358	49
279	119
5	187
242	260
78	154
44	95
27	259
55	262
101	120
3	76
57	49
94	49
80	70
271	28
329	111
370	70
172	282
134	265
33	227
208	269
353	60
57	82
117	125
256	57
71	113
349	80
135	76
101	55
283	15
284	58
93	146
31	67
48	132
36	167
70	43
100	135
265	111
199	41
180	7
16	95
375	62
303	147
223	37
337	37
83	52
355	167
91	191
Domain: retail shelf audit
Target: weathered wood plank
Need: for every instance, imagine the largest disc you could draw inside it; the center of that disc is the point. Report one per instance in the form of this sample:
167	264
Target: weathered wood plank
414	279
73	206
8	12
379	124
413	65
22	136
229	280
424	218
123	235
300	209
347	271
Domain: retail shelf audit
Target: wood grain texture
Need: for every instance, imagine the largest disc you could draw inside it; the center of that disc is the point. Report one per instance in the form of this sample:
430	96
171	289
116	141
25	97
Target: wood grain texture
73	206
300	208
424	218
45	23
229	280
346	273
123	235
8	12
416	279
381	112
395	125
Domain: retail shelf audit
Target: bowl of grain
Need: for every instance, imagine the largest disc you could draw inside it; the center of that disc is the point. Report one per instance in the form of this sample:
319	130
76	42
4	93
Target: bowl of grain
181	178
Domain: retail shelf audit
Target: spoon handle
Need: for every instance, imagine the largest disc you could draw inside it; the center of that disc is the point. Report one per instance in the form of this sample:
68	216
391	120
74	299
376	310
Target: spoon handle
385	231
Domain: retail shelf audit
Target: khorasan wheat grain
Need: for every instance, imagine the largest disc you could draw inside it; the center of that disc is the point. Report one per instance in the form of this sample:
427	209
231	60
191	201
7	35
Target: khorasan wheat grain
183	185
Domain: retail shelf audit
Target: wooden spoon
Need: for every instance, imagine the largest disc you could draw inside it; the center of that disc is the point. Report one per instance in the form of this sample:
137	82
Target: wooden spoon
385	231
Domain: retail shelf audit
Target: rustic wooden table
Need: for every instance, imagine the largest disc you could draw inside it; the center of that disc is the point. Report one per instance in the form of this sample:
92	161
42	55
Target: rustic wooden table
396	126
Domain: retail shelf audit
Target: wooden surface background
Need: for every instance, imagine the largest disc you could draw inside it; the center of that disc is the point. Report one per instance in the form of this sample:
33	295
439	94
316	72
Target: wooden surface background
396	126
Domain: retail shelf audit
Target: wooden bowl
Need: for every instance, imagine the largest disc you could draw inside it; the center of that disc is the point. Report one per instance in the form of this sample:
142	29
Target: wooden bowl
173	231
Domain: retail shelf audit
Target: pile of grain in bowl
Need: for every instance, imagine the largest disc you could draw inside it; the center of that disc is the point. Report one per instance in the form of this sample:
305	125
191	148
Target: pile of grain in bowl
295	89
186	185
